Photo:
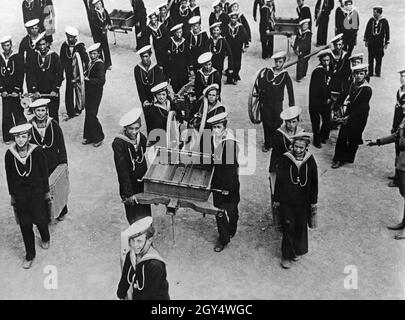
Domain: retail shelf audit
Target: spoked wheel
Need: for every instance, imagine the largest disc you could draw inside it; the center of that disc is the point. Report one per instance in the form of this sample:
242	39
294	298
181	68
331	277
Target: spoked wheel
197	133
254	104
78	85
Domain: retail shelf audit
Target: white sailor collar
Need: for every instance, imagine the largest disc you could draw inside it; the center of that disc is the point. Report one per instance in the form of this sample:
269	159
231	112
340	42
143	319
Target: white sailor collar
4	57
121	135
207	75
284	132
178	44
35	124
192	9
227	135
237	25
152	65
47	54
159	24
166	107
14	152
297	163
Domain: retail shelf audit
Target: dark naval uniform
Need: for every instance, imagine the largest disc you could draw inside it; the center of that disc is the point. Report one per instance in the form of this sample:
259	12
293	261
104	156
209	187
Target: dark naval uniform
339	20
319	94
350	134
179	62
257	4
304	12
222	17
147	277
195	11
398	118
27	49
296	189
377	35
226	177
167	22
340	71
237	38
322	19
11	80
93	132
44	76
145	80
203	80
183	16
271	96
139	10
302	46
160	39
352	19
220	49
27	181
267	25
198	45
100	21
130	163
66	57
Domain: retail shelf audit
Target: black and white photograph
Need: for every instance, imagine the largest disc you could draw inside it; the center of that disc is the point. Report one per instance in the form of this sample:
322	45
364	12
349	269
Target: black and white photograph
202	150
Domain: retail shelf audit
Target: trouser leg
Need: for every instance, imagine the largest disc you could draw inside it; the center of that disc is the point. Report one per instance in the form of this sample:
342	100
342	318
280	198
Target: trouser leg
315	122
325	129
267	135
341	146
44	232
106	51
54	108
288	229
223	227
378	65
370	63
69	101
7	121
63	212
352	150
29	240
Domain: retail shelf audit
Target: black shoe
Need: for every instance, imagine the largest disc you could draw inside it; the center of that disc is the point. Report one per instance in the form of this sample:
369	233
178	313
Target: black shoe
219	247
85	142
336	164
399	226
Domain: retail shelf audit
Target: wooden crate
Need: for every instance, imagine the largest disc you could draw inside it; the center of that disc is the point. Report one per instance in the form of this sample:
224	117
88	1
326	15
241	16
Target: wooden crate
59	188
181	175
286	26
122	20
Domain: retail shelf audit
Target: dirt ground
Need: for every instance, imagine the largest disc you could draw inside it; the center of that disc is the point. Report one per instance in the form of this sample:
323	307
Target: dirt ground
355	204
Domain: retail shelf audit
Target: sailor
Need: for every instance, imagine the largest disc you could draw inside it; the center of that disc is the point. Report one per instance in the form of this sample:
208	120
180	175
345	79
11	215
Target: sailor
218	15
302	47
28	43
160	39
101	23
11	86
238	39
129	148
351	19
198	41
355	118
377	38
94	78
266	26
32	9
206	75
323	9
282	139
47	134
179	59
45	75
340	65
144	269
272	83
296	197
183	15
194	8
139	19
220	49
225	150
147	75
164	16
319	98
304	12
258	4
28	186
234	7
67	52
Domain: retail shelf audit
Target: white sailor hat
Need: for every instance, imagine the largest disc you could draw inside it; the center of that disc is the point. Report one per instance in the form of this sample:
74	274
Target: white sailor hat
378	8
72	31
204	58
138	228
279	55
5	39
216	24
130	117
211	87
93	47
235	13
145	49
219	118
324	53
290	113
307	20
22	128
216	3
152	13
39	103
95	1
41	36
306	136
357	56
176	27
347	2
335	93
231	3
337	38
401	71
360	67
32	23
194	20
162	5
159	87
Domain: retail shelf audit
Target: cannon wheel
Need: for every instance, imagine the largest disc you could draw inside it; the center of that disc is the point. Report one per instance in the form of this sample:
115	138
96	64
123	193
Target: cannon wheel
78	86
172	131
253	103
